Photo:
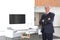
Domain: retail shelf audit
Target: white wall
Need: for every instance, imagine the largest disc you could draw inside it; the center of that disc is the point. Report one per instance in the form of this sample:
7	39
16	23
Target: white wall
56	10
16	7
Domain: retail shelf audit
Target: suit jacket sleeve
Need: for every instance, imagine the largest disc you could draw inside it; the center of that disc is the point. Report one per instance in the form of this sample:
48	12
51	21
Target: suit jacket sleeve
40	21
51	18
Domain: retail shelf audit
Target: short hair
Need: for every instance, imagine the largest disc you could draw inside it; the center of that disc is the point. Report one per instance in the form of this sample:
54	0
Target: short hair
47	5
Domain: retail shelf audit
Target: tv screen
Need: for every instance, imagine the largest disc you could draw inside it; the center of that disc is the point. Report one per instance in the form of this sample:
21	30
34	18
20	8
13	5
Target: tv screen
16	18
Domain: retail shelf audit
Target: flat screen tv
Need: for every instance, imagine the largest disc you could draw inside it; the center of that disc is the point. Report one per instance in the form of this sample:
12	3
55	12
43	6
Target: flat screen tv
16	18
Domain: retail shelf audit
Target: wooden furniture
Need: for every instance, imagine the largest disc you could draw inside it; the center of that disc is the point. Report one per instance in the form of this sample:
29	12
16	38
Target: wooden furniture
25	35
55	3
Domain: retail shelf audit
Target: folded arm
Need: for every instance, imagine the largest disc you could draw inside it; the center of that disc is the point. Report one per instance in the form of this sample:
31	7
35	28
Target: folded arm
50	19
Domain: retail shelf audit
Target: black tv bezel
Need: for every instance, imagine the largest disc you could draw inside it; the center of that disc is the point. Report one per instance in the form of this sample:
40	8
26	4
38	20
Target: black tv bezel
17	23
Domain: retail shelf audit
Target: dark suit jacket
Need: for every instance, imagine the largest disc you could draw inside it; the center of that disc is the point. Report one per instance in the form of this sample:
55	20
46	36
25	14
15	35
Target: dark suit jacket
47	25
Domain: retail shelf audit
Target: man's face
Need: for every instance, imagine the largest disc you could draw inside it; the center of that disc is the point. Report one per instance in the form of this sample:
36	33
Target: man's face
47	9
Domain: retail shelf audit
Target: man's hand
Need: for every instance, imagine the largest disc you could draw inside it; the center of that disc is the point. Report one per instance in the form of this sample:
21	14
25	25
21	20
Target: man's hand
49	18
42	20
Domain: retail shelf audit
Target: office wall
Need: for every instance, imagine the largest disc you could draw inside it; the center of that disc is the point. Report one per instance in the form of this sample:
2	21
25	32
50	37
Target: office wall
16	7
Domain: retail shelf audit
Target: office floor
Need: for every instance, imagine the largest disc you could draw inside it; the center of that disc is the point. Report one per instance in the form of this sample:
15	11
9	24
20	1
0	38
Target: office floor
36	37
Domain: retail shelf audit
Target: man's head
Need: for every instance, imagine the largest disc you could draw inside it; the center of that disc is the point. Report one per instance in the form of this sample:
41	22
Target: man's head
47	8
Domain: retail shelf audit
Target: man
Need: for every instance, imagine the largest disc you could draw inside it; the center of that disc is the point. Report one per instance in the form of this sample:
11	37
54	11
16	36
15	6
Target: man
46	22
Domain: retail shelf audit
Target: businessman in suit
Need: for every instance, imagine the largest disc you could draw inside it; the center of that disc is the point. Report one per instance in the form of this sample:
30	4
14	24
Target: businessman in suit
46	22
